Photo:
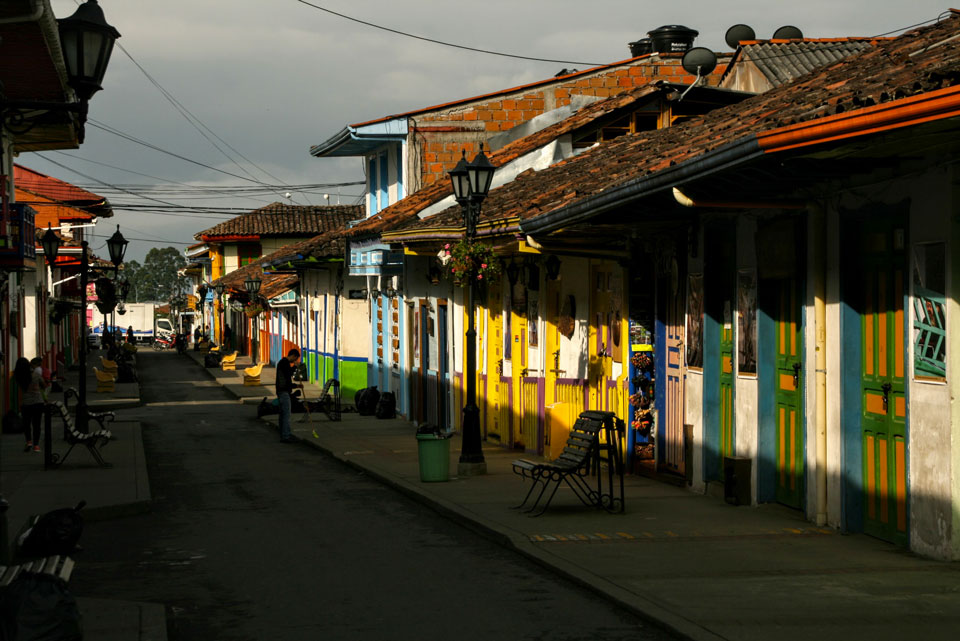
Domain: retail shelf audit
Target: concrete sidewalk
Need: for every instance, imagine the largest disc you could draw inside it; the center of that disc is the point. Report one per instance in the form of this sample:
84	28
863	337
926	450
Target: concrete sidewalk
691	563
121	489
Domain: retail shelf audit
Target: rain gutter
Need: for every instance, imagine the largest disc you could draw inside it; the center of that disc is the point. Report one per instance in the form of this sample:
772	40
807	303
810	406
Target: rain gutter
915	110
709	163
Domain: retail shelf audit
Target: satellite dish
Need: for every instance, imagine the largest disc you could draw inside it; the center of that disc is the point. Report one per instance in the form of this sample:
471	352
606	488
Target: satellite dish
788	32
738	33
699	61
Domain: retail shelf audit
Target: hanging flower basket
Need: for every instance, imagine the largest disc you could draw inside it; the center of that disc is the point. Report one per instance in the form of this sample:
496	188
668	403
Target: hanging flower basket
252	310
469	261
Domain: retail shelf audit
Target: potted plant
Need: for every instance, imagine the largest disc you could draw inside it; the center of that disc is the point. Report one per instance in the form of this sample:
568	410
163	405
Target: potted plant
469	261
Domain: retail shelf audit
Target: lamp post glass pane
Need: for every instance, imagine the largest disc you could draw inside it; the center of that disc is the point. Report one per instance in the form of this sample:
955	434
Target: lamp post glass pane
460	180
480	172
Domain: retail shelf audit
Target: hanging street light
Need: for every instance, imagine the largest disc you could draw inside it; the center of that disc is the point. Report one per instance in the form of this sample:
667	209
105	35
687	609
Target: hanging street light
471	184
87	41
252	285
117	246
51	245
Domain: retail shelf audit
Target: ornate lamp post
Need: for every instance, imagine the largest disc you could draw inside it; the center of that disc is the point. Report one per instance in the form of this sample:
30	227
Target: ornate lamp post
219	288
252	285
51	247
471	184
117	246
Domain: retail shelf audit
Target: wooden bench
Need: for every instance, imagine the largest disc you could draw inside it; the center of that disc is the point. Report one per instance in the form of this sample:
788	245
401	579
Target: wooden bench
229	361
105	381
251	375
93	441
110	367
584	455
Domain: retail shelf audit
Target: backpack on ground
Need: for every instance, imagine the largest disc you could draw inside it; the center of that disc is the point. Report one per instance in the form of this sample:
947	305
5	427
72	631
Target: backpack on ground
367	400
55	533
387	406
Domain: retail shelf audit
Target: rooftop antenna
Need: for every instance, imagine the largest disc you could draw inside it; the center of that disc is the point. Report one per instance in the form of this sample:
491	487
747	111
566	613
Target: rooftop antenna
700	61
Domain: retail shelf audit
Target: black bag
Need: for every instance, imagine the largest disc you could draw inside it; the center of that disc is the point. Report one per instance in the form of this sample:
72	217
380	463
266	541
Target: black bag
39	607
367	401
387	406
55	533
211	360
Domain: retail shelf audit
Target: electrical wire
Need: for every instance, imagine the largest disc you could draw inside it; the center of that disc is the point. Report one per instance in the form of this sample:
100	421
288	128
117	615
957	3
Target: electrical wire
519	57
441	42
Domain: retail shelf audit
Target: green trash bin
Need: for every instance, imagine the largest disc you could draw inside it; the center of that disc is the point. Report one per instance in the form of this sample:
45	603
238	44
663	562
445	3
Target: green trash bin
434	452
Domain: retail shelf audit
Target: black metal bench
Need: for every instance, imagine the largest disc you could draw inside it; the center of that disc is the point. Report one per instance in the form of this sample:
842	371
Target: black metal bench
101	418
93	441
590	457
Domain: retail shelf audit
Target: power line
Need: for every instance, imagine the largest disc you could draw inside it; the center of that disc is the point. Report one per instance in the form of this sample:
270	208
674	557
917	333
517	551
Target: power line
445	44
519	57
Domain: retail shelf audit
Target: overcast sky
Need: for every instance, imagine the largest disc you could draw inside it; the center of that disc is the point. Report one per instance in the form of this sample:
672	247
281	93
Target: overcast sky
265	80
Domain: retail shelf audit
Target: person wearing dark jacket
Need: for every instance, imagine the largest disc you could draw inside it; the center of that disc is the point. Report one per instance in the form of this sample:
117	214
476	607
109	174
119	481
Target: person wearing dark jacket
285	387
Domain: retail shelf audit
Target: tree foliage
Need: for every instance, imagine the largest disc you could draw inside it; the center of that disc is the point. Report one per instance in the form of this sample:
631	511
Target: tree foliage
157	278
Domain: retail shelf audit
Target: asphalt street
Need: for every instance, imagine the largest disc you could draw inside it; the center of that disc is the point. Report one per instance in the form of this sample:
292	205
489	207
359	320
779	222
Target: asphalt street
252	539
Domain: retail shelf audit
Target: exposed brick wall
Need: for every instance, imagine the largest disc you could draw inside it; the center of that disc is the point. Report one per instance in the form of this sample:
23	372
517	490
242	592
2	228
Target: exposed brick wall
441	135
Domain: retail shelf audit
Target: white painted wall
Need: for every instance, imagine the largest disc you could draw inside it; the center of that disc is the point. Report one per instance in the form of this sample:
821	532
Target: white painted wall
693	389
574	280
931	462
745	393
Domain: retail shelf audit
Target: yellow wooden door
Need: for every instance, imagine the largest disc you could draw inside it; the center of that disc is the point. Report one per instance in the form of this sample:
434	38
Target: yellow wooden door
600	363
493	345
519	367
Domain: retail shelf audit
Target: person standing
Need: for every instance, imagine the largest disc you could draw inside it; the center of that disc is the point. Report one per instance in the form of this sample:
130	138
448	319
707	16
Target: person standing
285	387
29	376
227	337
130	338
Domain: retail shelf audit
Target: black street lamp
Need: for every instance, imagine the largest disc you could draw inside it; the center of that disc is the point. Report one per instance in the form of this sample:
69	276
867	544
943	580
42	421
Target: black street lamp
471	184
87	42
117	246
219	288
252	285
51	245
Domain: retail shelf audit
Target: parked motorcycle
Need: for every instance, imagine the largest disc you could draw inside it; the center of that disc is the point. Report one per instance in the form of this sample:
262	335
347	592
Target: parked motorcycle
163	342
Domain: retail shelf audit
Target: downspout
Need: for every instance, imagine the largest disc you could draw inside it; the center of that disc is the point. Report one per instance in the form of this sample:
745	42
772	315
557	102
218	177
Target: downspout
818	220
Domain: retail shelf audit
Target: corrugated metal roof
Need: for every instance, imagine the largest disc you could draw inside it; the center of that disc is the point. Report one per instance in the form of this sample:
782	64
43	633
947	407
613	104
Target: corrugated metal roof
783	62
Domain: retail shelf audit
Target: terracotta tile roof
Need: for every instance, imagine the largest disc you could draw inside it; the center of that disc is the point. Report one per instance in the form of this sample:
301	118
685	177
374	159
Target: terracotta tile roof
279	219
404	213
55	191
519	88
917	62
328	245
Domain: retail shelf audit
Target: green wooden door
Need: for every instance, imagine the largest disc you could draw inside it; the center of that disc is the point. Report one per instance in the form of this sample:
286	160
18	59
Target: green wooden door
789	394
883	401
